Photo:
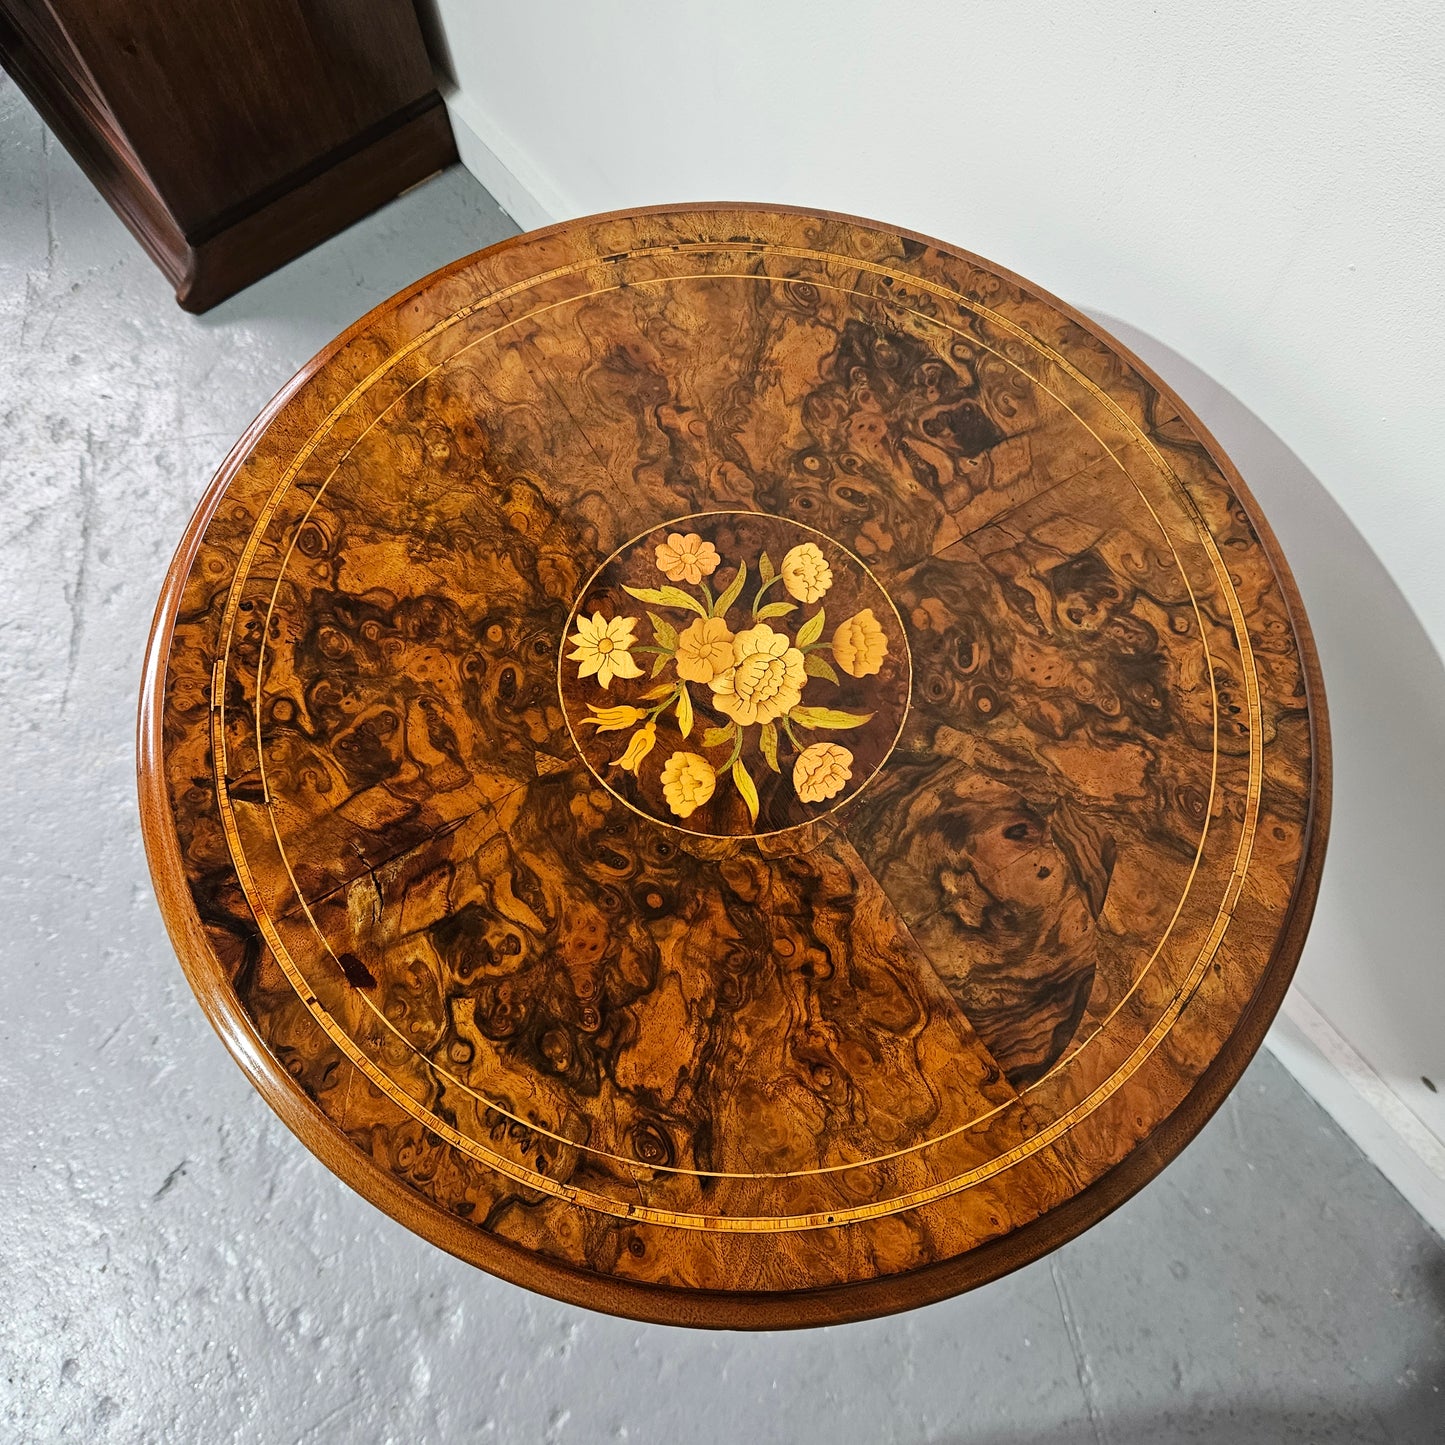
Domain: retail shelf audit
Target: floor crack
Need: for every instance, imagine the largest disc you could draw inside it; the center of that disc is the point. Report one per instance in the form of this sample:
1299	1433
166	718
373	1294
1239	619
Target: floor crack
50	242
77	593
1082	1367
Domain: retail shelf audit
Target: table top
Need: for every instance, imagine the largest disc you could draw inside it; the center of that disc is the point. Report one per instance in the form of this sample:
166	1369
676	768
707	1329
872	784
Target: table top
734	766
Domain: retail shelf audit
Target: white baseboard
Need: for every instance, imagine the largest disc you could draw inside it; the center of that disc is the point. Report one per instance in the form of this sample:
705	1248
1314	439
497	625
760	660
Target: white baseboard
1389	1133
511	177
1362	1103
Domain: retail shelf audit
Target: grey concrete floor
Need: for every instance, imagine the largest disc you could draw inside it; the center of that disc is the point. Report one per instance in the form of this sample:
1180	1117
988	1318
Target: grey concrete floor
176	1267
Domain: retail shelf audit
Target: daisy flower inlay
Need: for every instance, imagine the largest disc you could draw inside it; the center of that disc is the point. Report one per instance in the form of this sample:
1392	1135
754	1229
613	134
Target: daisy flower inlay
604	648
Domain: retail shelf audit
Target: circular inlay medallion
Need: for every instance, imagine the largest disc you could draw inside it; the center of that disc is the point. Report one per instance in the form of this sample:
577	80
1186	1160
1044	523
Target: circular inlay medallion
734	673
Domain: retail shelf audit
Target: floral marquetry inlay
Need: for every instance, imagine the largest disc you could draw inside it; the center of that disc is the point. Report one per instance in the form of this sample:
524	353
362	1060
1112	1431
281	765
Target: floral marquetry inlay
734	672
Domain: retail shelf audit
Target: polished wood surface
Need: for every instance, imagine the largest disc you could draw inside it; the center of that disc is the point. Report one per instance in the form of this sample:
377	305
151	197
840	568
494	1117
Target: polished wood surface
733	766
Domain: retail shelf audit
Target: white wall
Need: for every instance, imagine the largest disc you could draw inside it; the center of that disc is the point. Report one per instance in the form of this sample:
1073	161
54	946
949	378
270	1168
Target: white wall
1255	189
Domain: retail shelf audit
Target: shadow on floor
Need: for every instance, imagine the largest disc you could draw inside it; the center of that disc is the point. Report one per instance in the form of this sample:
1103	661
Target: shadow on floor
443	218
1347	1410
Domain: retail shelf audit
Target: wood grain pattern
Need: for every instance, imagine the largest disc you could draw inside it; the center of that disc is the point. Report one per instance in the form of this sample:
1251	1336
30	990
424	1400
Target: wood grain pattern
865	1026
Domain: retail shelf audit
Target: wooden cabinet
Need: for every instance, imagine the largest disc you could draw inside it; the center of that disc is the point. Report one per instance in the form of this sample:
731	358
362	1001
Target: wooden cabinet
231	137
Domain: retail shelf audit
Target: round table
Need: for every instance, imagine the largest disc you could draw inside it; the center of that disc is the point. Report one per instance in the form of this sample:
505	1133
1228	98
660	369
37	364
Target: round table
734	766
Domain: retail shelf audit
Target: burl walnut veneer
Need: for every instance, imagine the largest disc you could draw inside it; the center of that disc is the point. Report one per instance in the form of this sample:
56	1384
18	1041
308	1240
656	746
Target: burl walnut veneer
735	766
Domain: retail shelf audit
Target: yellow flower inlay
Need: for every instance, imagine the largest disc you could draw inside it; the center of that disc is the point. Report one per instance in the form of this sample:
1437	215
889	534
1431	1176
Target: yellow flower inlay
687	783
765	681
860	644
604	648
704	649
639	745
821	771
687	558
613	719
805	572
